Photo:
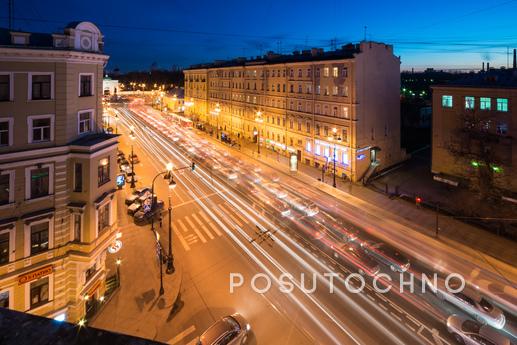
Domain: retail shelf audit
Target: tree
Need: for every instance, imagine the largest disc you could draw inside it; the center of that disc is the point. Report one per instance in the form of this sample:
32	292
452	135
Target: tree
481	146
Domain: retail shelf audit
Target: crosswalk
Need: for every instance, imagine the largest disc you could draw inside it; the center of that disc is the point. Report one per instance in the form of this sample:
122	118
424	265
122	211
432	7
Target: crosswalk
199	228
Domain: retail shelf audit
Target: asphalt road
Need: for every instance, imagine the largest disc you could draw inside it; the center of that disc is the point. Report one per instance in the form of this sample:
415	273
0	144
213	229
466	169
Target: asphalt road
222	228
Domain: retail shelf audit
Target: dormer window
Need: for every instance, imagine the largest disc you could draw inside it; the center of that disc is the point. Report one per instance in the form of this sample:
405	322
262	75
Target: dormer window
20	38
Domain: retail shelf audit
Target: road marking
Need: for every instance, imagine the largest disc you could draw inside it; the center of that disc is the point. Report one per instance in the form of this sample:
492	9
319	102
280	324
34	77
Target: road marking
210	223
370	297
410	327
396	316
246	221
383	306
182	226
196	230
224	212
203	226
182	240
182	335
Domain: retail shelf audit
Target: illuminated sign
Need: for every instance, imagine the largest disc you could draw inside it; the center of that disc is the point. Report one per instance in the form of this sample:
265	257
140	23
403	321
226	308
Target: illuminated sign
34	275
121	180
115	247
293	163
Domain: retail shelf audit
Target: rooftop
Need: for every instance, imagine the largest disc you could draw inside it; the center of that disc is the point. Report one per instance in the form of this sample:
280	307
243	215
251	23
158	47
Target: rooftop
92	139
26	329
493	78
347	51
91	39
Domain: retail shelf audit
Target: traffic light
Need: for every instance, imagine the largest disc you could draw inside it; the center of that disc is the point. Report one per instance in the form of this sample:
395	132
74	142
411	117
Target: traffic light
193	166
418	200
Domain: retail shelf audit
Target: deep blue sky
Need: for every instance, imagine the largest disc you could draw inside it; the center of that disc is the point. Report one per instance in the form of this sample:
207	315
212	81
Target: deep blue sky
439	33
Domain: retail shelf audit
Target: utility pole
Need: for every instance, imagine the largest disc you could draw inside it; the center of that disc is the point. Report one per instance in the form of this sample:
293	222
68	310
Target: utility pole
170	258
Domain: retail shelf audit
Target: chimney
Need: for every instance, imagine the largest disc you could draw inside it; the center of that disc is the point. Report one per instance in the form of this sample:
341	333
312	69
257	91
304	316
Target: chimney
488	66
515	59
483	68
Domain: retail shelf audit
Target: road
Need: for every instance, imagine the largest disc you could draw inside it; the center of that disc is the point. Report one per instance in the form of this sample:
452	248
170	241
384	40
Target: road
224	225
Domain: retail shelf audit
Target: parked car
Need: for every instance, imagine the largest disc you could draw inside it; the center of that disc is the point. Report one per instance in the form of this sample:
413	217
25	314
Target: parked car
130	175
387	255
142	217
352	253
134	158
134	207
137	194
230	330
470	332
471	302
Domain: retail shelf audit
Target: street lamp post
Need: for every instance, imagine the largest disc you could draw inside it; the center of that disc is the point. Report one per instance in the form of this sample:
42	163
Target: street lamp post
334	138
132	157
116	123
258	120
160	258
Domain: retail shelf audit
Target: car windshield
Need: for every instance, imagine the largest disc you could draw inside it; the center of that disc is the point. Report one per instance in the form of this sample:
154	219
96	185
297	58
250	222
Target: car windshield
486	305
222	327
470	326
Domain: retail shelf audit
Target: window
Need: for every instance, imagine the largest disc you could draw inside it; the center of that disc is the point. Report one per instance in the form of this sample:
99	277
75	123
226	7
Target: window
41	128
326	90
446	101
335	72
469	102
41	86
6	128
291	88
308	127
39	182
77	226
345	72
4	248
344	158
103	217
484	103
345	112
317	130
318	89
5	87
90	272
326	71
299	89
335	90
39	292
299	73
4	299
345	91
103	171
85	85
317	150
78	177
326	131
6	185
308	146
39	237
85	122
502	129
502	104
309	89
299	125
334	111
344	135
291	124
326	152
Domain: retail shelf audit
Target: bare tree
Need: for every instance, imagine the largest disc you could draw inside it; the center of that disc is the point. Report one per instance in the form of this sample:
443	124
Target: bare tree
477	143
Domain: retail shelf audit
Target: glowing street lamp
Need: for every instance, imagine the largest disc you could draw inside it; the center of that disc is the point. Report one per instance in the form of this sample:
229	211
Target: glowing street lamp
258	120
335	138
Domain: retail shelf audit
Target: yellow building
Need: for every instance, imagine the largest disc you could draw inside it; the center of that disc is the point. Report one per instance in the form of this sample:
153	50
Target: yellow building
57	172
312	104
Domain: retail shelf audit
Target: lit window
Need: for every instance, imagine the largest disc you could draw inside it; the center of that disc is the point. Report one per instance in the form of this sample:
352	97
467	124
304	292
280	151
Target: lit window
317	150
326	71
335	72
502	104
469	102
308	146
484	103
103	217
502	128
85	122
39	292
39	237
446	101
335	91
327	152
344	158
103	171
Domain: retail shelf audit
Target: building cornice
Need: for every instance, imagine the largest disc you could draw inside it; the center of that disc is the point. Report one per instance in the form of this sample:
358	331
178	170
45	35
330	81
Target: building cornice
50	55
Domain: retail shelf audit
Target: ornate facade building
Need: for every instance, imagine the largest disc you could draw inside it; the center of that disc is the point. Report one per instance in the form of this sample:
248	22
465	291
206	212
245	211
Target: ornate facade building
57	172
312	104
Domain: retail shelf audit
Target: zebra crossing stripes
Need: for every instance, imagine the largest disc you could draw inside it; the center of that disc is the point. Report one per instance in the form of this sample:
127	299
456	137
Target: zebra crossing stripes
196	230
209	234
210	223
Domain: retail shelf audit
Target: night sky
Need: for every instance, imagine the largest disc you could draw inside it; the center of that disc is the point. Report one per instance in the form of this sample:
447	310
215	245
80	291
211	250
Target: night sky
439	33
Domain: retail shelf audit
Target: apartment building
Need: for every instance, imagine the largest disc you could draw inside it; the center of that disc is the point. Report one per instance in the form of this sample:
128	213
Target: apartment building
57	172
313	104
474	125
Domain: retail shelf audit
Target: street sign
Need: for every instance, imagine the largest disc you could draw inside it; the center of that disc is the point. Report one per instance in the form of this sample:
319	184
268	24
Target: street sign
115	247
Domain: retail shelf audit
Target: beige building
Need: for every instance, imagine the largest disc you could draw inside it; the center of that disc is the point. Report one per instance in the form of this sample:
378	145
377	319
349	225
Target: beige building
486	101
312	104
57	172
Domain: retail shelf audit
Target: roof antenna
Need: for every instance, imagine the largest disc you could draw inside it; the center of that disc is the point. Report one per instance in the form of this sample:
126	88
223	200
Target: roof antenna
365	30
11	14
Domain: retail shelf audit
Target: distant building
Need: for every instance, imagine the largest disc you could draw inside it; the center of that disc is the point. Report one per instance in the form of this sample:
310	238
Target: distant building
307	104
484	104
110	87
57	172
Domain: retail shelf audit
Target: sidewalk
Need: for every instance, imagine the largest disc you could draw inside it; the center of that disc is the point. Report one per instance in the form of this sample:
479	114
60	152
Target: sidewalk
137	308
455	233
